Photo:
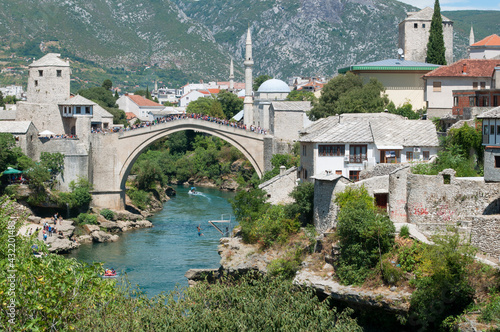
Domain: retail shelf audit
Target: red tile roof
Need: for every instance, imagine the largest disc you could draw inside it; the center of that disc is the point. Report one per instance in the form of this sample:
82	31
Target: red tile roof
493	40
141	101
466	68
204	92
214	91
130	115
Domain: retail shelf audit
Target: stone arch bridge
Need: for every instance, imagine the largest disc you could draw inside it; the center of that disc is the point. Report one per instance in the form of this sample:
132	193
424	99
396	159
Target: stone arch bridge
112	156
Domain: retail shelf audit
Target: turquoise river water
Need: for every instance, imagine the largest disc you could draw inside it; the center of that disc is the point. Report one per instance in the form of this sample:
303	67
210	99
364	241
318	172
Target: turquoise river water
156	258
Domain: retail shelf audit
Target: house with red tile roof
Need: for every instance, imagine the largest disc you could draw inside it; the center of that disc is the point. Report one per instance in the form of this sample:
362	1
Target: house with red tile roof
488	48
466	74
138	105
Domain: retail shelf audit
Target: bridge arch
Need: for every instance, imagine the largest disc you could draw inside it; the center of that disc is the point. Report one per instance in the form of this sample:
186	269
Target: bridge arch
240	139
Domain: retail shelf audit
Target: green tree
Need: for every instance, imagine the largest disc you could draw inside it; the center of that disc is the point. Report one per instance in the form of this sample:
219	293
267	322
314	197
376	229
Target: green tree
107	84
216	110
148	94
303	194
2	102
405	110
435	46
201	105
288	160
10	100
116	95
230	102
9	152
300	95
257	82
54	162
347	94
364	235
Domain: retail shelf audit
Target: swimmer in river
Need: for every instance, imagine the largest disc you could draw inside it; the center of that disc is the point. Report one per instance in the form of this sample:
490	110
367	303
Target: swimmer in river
199	230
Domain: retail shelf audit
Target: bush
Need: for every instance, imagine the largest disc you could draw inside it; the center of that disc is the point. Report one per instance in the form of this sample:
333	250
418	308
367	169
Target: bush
86	218
410	257
364	235
286	268
392	274
108	214
139	198
404	232
303	194
273	226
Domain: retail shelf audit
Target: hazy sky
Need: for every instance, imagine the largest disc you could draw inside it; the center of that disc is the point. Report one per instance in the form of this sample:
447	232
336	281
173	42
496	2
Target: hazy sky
457	4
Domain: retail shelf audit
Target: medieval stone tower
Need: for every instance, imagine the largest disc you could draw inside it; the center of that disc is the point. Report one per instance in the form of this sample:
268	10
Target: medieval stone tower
414	35
49	80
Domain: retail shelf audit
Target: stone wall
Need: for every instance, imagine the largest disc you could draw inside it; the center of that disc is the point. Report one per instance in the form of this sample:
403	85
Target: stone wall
279	187
485	234
43	116
397	194
325	210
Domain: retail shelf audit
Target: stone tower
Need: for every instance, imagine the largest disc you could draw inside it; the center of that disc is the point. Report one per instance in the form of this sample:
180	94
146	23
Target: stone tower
49	80
471	36
248	101
414	35
231	76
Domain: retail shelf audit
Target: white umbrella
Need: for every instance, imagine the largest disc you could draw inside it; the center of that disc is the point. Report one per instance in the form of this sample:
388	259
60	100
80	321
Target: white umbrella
46	133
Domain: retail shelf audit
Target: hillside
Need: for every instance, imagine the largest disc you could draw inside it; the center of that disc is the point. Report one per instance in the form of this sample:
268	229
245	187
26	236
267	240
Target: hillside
180	41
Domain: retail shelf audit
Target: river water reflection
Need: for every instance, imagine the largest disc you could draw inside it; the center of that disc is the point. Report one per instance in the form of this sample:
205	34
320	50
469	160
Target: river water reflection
157	258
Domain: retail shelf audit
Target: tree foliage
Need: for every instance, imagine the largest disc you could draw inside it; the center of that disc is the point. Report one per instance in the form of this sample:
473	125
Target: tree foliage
105	98
364	234
347	94
300	95
9	152
286	159
405	110
230	102
302	207
107	84
435	46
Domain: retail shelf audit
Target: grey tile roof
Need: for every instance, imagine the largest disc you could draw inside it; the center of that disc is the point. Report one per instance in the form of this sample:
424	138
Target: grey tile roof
424	14
50	59
14	127
493	113
397	63
383	129
291	105
77	100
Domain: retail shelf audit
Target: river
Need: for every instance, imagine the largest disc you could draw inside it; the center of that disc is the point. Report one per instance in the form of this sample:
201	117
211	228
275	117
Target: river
156	258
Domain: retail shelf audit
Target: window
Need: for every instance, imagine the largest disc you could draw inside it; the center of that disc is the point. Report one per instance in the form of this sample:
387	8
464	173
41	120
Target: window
331	150
495	101
486	131
59	73
415	25
497	161
474	85
483	85
354	175
485	101
357	153
87	109
472	101
338	172
423	25
455	101
436	86
40	73
36	83
78	110
492	130
409	156
304	150
425	154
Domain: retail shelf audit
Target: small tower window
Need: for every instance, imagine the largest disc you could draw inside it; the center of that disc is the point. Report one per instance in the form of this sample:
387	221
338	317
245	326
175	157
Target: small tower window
59	73
40	73
36	83
423	25
415	25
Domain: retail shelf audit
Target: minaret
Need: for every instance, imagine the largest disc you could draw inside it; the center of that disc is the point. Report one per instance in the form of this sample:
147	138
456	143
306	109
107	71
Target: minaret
248	101
231	76
471	36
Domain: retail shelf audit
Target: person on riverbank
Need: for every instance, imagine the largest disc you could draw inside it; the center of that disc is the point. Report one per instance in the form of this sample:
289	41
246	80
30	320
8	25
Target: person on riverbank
199	230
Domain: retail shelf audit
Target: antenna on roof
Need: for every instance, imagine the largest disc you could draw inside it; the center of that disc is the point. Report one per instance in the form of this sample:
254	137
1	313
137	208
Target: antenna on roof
400	54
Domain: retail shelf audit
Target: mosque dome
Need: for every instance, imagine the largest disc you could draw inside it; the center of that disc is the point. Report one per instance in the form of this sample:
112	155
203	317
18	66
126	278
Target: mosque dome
274	85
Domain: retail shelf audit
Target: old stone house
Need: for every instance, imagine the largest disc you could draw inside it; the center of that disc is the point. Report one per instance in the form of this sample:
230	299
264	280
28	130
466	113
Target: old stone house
138	105
349	143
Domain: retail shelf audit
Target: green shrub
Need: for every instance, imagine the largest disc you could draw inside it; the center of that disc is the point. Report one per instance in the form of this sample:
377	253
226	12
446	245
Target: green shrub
410	257
140	198
286	268
108	214
491	313
392	274
86	218
404	232
273	226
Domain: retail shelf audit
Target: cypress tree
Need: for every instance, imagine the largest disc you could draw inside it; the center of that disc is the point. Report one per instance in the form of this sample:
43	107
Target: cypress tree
435	45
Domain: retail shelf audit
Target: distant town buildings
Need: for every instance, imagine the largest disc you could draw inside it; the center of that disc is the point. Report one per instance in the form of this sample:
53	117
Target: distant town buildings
487	48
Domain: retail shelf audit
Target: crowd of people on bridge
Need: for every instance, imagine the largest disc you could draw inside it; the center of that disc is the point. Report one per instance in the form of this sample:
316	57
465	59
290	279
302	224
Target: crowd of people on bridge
202	117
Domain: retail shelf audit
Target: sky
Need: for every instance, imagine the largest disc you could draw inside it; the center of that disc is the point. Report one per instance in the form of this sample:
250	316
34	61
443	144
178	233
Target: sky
457	4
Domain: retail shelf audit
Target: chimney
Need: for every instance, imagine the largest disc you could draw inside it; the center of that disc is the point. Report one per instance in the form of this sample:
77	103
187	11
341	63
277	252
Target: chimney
464	68
282	170
496	77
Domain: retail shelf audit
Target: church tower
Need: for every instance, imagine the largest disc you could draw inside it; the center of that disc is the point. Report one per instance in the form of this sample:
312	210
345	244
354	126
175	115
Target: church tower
248	101
231	77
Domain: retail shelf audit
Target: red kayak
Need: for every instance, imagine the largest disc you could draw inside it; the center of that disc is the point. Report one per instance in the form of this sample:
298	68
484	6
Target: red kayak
110	273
